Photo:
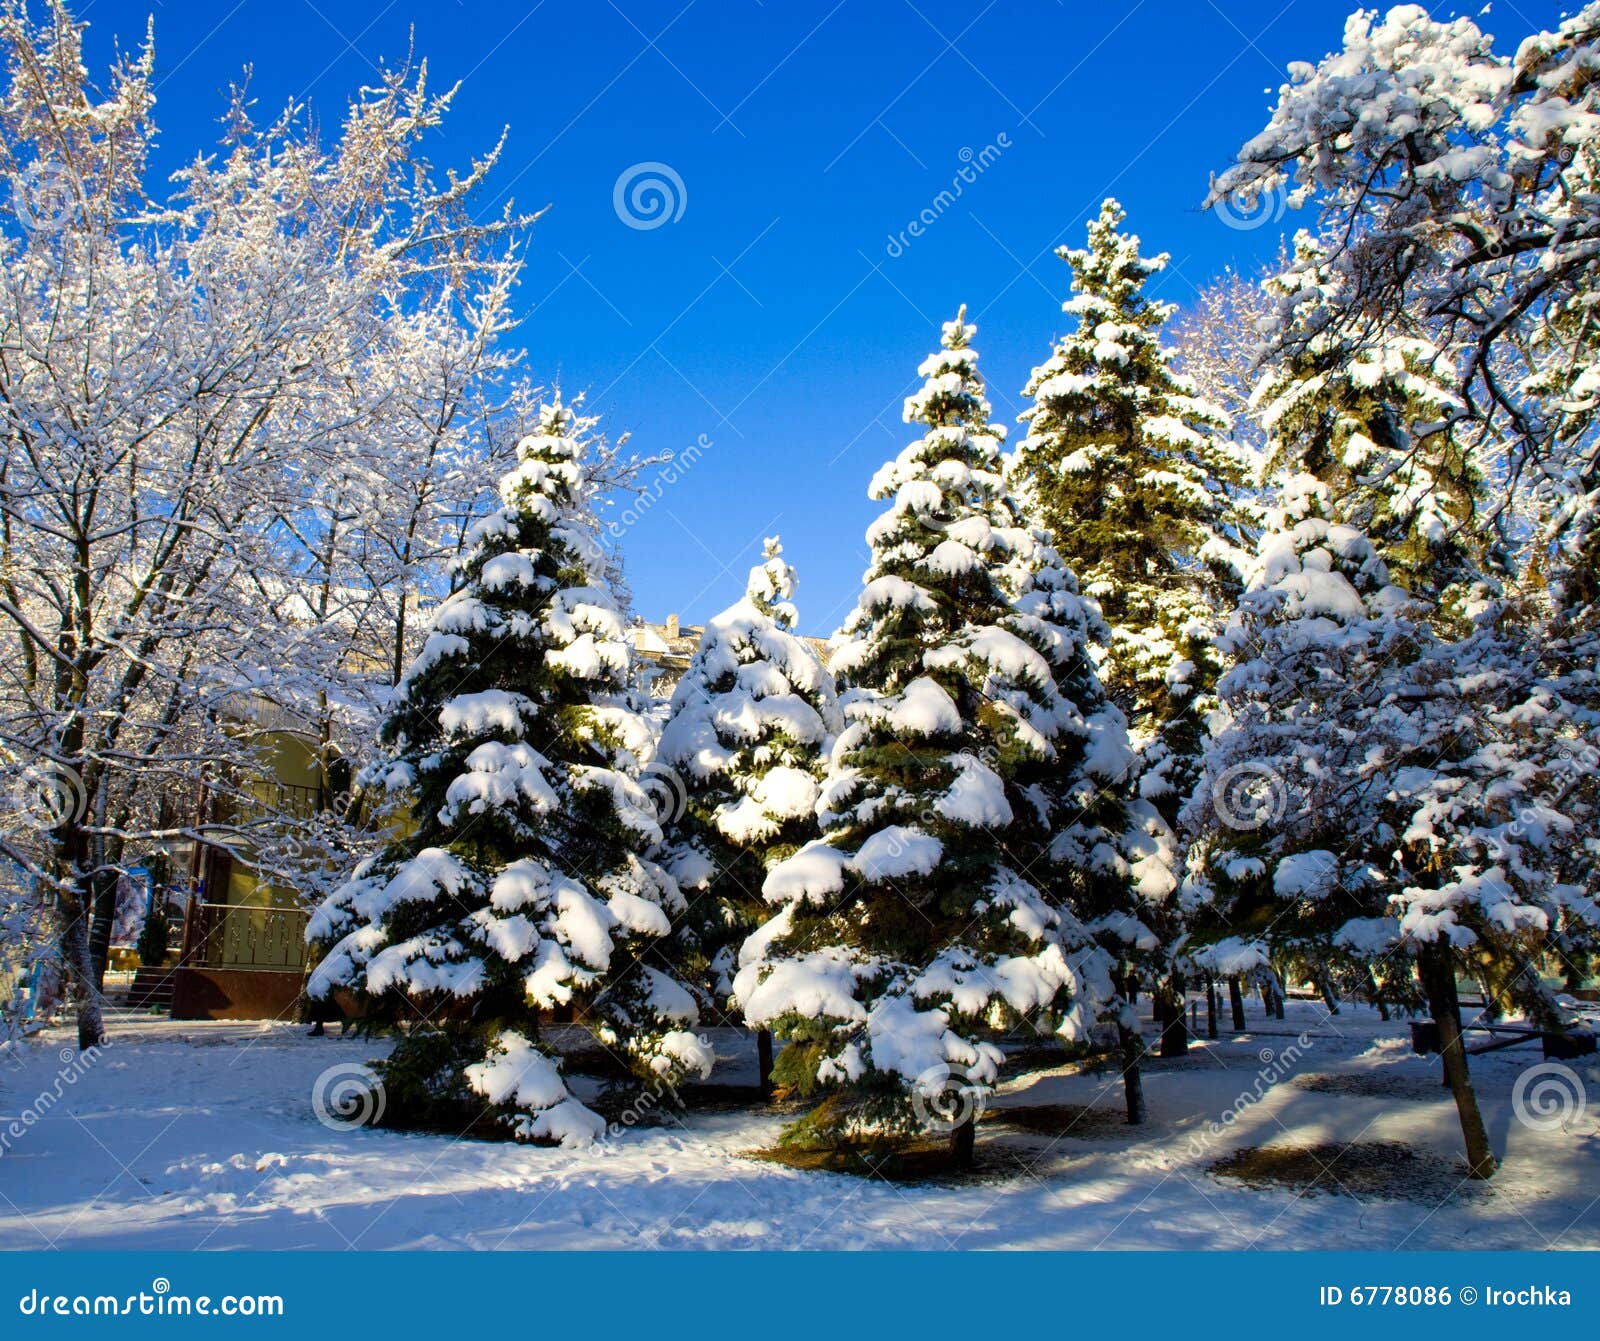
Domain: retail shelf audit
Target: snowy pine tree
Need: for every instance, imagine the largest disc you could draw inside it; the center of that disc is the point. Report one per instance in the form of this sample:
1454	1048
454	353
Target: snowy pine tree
523	886
1374	802
1291	853
1567	642
1374	422
1129	468
1112	857
920	926
747	733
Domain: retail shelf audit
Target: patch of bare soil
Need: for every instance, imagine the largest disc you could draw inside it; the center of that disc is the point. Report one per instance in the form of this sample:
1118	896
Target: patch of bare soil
1366	1171
920	1161
1364	1085
1080	1121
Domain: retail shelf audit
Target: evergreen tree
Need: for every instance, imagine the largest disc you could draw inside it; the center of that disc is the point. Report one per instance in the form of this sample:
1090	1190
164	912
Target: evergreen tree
1112	857
1130	469
1292	837
1568	644
524	884
1381	800
1498	838
921	926
1375	421
747	732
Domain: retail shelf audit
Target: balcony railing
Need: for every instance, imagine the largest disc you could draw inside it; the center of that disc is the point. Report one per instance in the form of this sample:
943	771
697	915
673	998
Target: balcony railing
242	936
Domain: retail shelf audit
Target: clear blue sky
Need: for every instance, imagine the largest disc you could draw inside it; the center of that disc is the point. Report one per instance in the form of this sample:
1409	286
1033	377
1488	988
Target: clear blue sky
770	316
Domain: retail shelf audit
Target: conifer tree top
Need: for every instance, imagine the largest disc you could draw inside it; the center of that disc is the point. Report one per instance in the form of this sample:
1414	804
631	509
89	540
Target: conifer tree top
526	880
921	919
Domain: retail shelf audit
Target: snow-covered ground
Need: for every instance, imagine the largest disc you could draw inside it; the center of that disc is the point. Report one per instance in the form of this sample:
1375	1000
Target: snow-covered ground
183	1135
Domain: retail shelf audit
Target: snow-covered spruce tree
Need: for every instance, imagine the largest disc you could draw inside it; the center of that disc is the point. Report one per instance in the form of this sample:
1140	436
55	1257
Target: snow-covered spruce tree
1494	791
524	885
1290	852
1375	422
1356	749
1112	857
1568	643
919	927
1498	816
1499	837
747	734
1130	469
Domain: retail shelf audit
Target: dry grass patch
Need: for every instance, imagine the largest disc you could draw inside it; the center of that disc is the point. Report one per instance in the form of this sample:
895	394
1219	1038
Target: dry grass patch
1366	1171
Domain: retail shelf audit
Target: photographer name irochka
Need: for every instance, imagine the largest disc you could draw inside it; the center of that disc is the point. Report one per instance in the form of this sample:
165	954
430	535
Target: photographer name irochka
1442	1296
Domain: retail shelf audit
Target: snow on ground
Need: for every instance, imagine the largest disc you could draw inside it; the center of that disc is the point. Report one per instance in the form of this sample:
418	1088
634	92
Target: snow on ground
202	1135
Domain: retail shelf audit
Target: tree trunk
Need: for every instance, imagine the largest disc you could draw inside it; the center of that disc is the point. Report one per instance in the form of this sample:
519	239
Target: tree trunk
1272	998
78	969
1236	1003
1376	993
103	899
1174	1028
764	1061
1325	986
1436	968
962	1140
1132	1081
1211	1007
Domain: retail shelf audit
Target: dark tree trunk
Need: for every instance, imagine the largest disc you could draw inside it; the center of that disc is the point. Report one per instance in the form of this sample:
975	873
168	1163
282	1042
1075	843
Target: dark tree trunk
1211	1007
1376	993
1132	1081
764	1061
962	1140
1325	986
1236	1003
78	969
1174	1028
1436	968
1272	999
103	898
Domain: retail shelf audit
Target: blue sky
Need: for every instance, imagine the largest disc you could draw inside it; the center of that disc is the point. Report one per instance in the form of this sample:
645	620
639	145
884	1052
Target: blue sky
773	317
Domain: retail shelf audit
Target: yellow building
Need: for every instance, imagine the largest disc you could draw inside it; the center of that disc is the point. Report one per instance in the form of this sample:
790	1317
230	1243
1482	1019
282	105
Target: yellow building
244	951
